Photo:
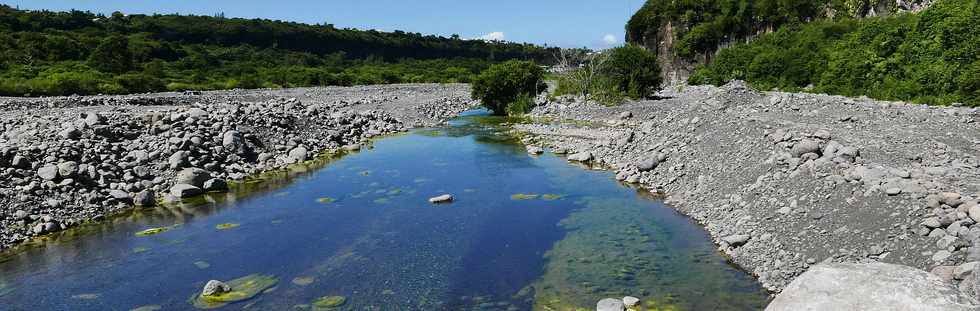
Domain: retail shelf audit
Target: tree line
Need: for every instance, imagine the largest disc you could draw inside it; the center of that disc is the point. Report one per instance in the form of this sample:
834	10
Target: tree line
75	52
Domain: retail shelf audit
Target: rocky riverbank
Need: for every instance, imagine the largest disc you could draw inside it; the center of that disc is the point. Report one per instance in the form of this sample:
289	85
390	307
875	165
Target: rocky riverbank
785	181
69	160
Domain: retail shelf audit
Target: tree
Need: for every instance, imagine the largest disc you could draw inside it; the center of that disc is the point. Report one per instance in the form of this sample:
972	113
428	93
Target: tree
634	70
112	55
503	84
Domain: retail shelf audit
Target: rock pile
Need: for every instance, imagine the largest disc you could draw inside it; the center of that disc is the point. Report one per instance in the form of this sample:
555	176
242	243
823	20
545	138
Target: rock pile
784	181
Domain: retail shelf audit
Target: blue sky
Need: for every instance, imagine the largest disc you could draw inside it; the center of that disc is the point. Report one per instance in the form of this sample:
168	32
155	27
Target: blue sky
567	23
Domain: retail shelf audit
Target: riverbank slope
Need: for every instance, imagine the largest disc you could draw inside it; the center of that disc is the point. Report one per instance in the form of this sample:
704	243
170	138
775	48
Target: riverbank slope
783	181
69	160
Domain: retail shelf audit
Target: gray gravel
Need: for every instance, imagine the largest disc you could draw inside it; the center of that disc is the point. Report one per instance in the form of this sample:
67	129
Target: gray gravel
69	160
783	181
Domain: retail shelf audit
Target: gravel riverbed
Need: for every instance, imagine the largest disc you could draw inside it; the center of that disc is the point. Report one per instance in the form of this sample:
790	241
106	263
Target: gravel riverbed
784	181
68	160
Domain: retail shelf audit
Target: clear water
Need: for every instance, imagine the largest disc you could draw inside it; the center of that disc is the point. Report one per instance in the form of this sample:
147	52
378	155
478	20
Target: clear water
378	242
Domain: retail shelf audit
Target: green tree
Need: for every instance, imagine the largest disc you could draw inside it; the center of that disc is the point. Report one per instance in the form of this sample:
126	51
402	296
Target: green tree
112	55
634	70
503	84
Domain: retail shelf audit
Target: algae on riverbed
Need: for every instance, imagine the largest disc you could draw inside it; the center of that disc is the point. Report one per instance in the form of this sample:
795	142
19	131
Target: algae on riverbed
226	226
329	302
242	288
616	248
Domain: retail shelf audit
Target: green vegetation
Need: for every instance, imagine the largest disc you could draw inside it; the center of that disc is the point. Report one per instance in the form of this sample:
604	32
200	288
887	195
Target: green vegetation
509	88
701	25
609	77
63	53
226	226
929	57
329	302
242	288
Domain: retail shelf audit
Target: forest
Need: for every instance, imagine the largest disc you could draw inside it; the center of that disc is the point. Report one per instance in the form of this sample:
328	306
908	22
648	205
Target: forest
76	52
930	57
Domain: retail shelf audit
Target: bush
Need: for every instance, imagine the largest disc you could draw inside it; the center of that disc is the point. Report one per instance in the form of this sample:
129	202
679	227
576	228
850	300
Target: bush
503	84
634	71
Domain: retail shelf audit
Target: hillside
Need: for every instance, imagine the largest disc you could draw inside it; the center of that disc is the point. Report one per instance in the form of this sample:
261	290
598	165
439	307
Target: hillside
63	53
688	32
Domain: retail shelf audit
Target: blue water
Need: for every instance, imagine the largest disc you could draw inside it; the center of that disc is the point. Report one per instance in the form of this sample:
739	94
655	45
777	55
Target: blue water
382	246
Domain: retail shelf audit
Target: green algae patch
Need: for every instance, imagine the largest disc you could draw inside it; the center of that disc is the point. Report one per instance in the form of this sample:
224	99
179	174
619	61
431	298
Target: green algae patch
5	289
522	196
326	200
226	226
202	265
551	196
243	288
329	302
615	248
137	250
155	231
304	280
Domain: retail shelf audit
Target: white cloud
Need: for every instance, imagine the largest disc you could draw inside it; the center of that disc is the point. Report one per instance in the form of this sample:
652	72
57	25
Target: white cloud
610	39
493	36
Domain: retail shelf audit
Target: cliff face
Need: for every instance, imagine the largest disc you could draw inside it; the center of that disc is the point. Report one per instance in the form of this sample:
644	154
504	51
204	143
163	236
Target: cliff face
686	34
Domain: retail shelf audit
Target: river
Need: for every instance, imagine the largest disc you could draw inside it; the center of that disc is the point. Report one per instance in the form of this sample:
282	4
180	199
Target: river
523	233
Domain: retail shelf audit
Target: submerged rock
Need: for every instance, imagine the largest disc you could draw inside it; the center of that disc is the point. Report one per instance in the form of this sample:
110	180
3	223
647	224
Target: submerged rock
445	198
239	289
329	302
875	286
215	287
610	304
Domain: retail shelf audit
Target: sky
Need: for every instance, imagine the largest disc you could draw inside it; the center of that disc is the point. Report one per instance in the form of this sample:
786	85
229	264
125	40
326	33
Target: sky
566	23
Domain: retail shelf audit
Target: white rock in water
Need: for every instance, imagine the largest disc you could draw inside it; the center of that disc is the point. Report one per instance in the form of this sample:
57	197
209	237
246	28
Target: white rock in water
445	198
631	301
874	286
610	304
533	150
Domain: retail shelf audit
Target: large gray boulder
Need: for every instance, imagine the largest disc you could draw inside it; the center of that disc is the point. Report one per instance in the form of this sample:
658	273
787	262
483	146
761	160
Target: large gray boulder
584	156
874	286
184	191
193	176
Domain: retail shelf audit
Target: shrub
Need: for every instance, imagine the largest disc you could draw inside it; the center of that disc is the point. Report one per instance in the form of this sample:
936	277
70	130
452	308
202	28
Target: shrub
503	84
634	71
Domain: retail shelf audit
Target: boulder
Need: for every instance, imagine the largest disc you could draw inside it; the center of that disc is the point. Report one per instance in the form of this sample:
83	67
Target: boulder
193	176
534	150
185	191
145	198
872	286
648	164
215	287
630	301
584	156
445	198
232	142
215	184
177	160
610	304
298	154
736	240
805	146
48	172
67	169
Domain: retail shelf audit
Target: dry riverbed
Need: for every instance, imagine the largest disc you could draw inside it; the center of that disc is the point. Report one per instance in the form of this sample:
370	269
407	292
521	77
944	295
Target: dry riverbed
69	160
785	181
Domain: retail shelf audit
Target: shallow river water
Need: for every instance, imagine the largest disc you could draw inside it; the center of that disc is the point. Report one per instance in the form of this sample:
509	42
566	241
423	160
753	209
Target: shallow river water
524	233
